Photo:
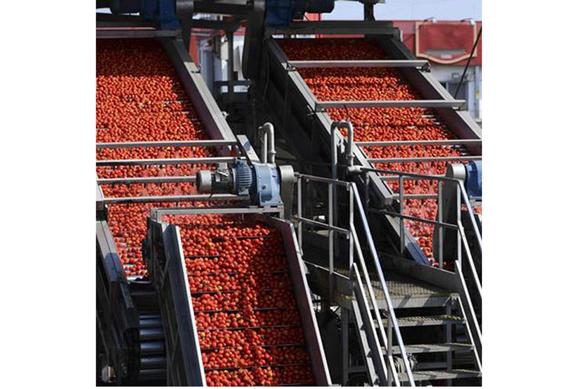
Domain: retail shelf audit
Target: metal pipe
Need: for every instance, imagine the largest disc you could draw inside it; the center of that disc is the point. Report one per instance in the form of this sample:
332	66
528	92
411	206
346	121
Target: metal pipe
268	147
391	104
402	232
350	148
323	225
440	219
383	63
411	175
145	180
476	330
322	179
375	308
384	286
417	219
471	216
177	143
163	161
426	159
442	142
230	42
300	211
331	242
470	261
171	199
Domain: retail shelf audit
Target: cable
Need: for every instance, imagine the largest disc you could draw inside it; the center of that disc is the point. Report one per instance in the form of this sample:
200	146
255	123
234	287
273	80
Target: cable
468	62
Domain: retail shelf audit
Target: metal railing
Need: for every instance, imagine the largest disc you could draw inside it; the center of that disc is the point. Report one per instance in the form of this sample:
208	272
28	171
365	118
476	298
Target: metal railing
359	273
462	200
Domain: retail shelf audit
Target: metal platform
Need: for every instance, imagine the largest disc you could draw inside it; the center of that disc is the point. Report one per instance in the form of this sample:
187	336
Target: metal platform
420	376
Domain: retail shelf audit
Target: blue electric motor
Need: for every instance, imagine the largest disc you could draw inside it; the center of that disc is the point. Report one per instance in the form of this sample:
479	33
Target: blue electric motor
262	182
474	180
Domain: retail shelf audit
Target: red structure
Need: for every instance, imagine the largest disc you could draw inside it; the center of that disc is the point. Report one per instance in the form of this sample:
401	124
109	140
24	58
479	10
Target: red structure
443	42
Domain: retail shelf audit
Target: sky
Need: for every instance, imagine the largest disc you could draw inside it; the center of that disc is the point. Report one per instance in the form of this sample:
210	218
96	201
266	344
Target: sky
410	10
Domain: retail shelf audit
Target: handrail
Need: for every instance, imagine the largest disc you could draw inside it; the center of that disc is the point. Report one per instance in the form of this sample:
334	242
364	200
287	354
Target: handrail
471	323
390	371
391	314
473	327
464	195
466	202
376	349
376	310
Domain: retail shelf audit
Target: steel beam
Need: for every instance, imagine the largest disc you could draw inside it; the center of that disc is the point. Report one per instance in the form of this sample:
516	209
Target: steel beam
172	199
392	104
387	63
337	27
443	142
426	159
145	180
184	143
145	33
164	161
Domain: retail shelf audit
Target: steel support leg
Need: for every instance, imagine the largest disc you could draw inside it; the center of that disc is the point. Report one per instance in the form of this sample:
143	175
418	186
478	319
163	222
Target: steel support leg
448	339
344	317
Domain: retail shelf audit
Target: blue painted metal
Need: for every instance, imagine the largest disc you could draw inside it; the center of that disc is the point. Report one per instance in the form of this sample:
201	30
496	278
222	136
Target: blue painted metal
266	187
162	12
243	177
279	13
474	180
166	16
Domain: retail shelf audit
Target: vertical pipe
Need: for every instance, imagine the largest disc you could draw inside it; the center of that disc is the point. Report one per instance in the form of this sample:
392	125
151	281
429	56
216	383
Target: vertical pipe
230	36
300	211
440	220
350	148
331	242
334	156
344	315
268	151
459	242
448	340
351	223
402	232
263	147
366	192
389	351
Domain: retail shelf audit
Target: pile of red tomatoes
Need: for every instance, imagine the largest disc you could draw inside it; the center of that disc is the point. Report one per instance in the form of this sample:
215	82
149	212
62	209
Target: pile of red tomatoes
380	124
139	99
246	313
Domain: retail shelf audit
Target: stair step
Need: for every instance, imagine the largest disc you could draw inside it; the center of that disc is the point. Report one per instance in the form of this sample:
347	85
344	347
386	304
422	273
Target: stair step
432	348
149	315
152	348
152	374
151	334
430	366
153	362
429	375
150	322
421	321
143	293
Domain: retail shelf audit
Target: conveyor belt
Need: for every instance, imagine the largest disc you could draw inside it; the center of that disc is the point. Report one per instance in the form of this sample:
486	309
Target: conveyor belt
249	311
368	82
151	105
141	98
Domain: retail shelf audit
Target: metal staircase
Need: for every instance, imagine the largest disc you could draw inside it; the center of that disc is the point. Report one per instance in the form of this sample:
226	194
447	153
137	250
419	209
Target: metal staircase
409	330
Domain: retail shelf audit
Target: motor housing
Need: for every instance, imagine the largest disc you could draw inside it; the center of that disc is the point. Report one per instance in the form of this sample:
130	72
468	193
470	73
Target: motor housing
262	182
